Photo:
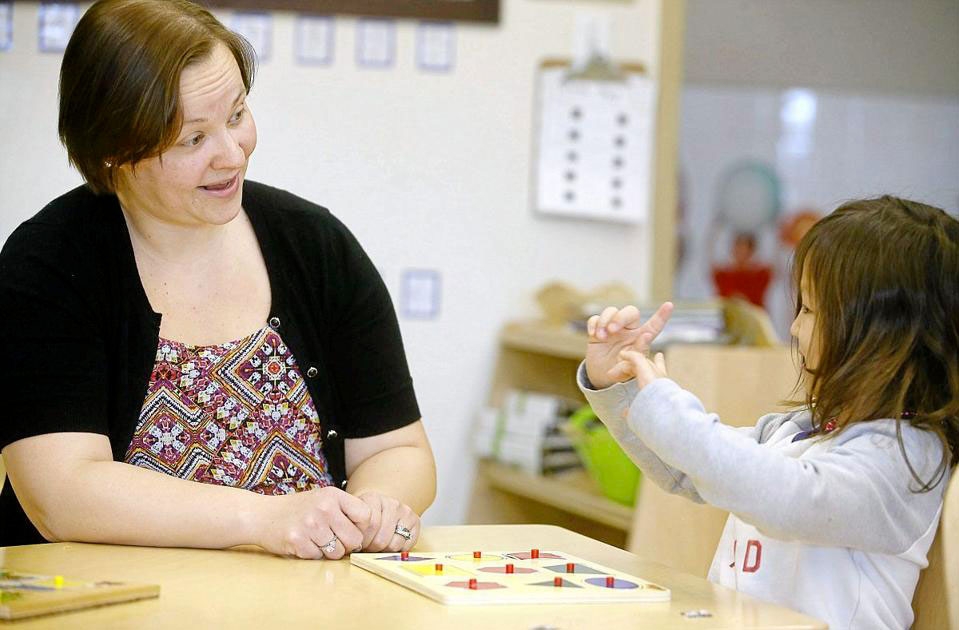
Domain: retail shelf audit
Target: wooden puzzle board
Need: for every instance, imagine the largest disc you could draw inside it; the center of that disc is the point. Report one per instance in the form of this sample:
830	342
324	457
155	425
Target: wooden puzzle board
30	594
555	577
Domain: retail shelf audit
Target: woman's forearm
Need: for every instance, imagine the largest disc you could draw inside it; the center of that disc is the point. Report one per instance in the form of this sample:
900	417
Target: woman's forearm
406	473
113	502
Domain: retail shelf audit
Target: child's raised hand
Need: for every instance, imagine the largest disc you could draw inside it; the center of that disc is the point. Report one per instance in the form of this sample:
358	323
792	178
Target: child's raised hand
645	370
613	331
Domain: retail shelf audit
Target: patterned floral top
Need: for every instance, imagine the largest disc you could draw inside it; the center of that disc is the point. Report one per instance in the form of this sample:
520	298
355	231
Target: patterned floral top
234	414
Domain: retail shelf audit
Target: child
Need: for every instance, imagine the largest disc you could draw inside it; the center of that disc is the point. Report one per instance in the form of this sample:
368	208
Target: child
833	506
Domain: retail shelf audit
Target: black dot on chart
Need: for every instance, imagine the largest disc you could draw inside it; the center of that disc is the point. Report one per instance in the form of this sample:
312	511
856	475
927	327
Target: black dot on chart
570	196
622	120
570	176
620	141
573	134
572	156
618	162
616	183
616	202
576	113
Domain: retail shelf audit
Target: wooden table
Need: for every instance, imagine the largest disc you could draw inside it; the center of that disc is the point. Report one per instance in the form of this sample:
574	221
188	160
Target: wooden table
251	589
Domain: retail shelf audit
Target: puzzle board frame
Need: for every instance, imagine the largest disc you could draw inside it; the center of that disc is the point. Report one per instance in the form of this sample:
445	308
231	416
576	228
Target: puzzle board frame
533	580
31	594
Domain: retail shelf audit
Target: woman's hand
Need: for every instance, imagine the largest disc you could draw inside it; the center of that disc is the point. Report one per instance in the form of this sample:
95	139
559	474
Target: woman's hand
321	523
613	331
388	517
642	368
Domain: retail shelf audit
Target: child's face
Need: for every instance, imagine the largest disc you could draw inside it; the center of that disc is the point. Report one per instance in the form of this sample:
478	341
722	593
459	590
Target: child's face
804	327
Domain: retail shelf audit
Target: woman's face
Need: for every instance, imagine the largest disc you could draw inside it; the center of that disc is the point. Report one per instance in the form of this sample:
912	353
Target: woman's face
199	179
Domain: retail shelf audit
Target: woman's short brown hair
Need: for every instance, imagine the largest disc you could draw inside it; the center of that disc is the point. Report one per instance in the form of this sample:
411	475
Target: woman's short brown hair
120	80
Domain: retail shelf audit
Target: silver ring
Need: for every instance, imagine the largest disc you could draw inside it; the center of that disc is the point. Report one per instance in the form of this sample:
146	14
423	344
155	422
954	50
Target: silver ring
402	531
330	547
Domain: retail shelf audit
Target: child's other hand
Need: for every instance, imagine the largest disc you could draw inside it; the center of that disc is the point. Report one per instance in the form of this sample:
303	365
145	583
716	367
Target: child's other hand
613	331
645	370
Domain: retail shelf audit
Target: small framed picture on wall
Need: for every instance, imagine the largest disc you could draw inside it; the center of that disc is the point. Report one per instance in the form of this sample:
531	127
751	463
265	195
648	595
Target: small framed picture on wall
459	10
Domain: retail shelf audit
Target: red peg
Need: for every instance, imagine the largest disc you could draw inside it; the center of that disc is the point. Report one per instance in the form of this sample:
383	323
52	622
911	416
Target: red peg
404	555
570	567
473	584
534	554
610	581
557	581
439	568
510	569
477	555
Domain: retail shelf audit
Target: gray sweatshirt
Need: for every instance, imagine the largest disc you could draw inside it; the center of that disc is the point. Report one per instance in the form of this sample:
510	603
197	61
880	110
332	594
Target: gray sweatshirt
832	527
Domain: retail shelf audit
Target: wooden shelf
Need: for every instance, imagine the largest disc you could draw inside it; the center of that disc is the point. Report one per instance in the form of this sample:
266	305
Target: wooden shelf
542	338
572	491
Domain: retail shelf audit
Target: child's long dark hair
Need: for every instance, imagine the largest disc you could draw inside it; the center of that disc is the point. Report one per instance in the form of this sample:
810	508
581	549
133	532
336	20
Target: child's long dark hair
885	279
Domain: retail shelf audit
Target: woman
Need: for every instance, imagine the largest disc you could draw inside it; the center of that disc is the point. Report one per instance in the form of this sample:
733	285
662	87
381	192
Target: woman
175	323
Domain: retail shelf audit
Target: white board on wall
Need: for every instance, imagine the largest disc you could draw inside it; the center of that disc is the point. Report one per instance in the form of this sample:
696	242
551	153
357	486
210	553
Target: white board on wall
594	145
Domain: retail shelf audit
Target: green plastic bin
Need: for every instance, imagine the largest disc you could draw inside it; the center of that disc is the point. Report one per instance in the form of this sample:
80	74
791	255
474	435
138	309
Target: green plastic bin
605	461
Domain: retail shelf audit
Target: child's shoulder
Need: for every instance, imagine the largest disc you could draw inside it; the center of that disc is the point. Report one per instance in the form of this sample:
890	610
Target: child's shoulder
888	428
918	451
901	435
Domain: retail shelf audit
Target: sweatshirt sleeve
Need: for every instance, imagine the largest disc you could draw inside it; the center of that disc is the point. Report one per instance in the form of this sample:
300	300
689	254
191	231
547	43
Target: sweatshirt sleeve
822	498
611	406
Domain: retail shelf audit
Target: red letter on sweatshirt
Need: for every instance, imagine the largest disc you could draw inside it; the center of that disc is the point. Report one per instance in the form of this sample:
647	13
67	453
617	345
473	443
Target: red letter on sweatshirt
757	558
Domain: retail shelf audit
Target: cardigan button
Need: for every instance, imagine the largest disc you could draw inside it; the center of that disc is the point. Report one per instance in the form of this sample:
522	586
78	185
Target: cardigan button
311	372
332	434
274	322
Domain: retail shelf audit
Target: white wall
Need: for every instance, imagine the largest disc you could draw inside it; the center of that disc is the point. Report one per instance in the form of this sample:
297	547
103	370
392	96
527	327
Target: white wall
429	170
898	46
877	82
852	146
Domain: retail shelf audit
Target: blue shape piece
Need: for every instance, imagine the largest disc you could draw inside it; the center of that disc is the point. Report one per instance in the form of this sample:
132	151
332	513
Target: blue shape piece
616	583
579	568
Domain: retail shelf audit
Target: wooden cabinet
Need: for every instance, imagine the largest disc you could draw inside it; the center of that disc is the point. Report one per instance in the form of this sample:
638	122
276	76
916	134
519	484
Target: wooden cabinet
740	383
